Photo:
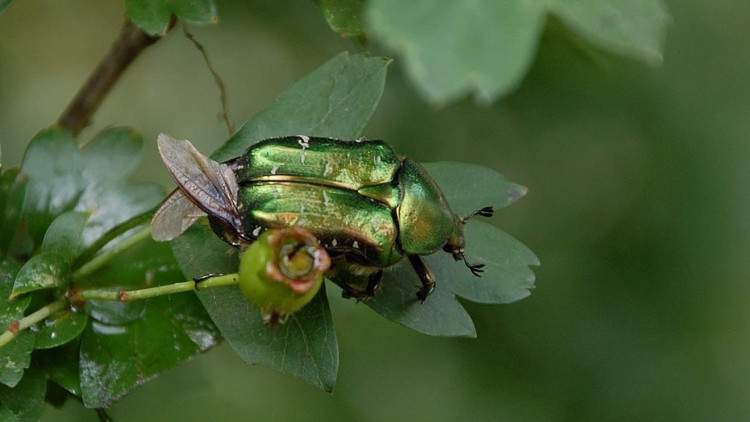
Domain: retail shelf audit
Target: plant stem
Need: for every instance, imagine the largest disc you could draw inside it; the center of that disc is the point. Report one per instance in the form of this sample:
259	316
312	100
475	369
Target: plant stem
106	256
32	319
119	296
215	74
129	295
131	42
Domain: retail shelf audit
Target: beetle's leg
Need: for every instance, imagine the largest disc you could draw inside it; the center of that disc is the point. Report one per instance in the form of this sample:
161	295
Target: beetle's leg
373	284
484	212
425	276
206	277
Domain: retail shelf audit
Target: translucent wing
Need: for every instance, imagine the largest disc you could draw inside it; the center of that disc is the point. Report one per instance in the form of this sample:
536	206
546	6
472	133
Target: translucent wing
208	185
174	216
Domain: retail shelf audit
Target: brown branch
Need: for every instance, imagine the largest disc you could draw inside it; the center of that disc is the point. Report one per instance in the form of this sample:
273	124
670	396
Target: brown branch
131	42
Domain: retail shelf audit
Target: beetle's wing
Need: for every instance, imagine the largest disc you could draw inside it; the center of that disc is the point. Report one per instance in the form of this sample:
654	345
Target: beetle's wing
174	216
211	186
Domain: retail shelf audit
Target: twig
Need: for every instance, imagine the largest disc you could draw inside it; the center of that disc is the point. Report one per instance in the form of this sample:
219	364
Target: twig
167	289
29	320
129	45
217	78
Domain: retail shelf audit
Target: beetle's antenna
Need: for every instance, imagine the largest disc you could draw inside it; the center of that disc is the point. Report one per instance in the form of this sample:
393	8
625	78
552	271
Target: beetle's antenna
484	212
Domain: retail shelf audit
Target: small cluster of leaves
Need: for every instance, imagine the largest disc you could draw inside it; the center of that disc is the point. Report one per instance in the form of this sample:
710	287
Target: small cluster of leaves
337	100
56	213
485	47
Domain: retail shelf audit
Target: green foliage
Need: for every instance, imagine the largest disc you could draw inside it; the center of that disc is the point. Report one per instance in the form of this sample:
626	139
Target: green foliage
4	4
17	355
335	100
153	16
354	85
25	402
47	270
12	198
485	47
127	344
73	197
505	280
344	16
63	177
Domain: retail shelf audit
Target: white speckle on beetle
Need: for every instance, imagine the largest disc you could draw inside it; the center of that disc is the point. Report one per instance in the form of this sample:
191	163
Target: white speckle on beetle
378	159
334	243
326	199
301	221
256	231
355	245
275	190
53	335
303	141
328	169
358	140
274	169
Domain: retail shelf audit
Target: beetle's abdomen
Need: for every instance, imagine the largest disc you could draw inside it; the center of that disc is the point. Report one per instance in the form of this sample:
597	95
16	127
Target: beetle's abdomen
344	221
346	164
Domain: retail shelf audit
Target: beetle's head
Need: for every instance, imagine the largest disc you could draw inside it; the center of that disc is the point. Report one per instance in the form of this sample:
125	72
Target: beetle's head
456	244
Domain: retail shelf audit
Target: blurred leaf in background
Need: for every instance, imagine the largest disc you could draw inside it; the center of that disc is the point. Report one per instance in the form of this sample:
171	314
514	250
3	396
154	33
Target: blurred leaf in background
485	47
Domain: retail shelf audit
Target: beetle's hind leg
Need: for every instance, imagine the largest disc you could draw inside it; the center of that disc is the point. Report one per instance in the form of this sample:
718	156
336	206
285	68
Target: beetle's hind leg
425	276
373	285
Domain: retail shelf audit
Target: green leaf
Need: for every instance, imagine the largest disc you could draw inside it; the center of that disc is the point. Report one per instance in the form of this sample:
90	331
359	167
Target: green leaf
12	199
25	402
61	365
65	235
4	4
60	328
44	271
62	177
336	100
16	355
153	16
305	346
451	49
635	28
126	344
439	315
470	187
344	16
195	11
507	277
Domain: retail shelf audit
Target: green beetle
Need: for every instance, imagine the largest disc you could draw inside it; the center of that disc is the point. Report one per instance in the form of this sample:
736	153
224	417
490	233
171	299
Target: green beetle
365	204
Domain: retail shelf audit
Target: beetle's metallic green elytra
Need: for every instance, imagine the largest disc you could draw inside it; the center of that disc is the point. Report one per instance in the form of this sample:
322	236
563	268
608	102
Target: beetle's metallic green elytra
368	206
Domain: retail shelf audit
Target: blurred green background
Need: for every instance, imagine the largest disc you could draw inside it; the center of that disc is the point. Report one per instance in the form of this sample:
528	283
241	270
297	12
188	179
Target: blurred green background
638	208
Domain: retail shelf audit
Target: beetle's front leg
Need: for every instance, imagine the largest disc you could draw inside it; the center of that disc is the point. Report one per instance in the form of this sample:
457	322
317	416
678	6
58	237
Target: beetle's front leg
425	276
